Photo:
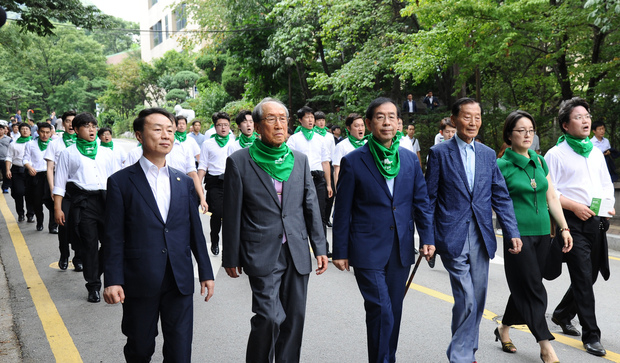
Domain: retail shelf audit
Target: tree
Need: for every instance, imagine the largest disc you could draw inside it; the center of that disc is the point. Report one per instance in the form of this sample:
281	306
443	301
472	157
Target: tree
119	35
125	89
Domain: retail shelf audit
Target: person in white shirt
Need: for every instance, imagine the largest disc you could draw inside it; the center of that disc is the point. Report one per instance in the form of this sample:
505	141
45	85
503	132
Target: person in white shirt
399	134
316	149
212	166
330	143
247	135
105	138
579	173
602	143
66	238
17	173
36	176
355	139
181	136
15	131
415	144
5	142
82	170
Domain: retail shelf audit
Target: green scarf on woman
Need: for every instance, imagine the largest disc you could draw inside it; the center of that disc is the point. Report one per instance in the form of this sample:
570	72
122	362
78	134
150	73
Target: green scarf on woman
87	148
278	162
579	145
387	160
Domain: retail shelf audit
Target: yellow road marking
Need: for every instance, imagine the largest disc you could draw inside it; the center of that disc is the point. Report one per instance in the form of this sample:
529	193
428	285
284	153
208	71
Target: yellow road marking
611	356
58	336
614	258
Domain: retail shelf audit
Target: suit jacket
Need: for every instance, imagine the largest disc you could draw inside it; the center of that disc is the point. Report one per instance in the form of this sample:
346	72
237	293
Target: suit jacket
453	204
137	242
405	107
366	214
254	220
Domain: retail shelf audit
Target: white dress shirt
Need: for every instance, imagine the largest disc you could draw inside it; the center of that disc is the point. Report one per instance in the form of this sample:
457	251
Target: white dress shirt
54	149
192	146
34	156
330	142
159	181
602	145
405	143
415	144
234	147
133	156
315	149
578	178
16	153
179	158
343	148
213	157
86	173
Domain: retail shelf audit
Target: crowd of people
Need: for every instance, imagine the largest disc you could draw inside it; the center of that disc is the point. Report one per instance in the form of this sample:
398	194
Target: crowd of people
271	191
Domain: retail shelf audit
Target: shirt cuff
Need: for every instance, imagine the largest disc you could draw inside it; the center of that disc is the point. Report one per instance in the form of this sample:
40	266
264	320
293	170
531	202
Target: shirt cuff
59	191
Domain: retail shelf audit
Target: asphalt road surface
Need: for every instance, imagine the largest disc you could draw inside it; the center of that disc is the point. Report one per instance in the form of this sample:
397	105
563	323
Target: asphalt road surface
44	315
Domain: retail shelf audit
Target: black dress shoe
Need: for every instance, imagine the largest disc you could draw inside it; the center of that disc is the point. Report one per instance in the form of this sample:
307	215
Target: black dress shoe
215	249
21	218
39	227
54	230
63	263
568	329
93	296
595	348
77	265
31	219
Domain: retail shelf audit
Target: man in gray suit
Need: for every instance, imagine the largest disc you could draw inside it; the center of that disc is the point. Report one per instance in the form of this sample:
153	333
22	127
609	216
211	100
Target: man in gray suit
271	211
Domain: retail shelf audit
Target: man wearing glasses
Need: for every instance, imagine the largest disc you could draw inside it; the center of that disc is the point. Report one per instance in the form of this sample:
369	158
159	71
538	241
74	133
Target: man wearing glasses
213	153
580	176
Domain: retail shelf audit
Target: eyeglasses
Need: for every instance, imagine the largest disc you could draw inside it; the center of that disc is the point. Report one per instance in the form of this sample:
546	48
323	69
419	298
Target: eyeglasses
587	116
523	132
222	125
271	120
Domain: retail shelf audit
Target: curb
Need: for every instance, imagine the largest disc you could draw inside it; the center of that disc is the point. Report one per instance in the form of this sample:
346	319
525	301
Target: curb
10	349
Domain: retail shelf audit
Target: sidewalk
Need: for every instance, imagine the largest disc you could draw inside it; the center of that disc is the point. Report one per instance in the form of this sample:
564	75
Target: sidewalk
10	350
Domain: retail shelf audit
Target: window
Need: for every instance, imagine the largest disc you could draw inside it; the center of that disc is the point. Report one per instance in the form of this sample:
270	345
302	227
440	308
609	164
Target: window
156	34
180	17
152	2
167	29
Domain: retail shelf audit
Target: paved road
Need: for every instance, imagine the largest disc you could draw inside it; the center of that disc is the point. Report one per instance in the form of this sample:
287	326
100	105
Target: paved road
52	321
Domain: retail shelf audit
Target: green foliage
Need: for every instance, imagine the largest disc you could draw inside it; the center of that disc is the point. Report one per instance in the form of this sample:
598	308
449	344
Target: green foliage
232	80
176	95
185	79
212	97
118	40
233	108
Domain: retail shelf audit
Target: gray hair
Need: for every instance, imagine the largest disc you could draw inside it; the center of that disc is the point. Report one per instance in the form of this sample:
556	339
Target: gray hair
257	113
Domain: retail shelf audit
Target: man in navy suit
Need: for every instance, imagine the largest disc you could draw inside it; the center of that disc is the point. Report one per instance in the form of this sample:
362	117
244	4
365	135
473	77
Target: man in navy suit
464	187
381	193
148	244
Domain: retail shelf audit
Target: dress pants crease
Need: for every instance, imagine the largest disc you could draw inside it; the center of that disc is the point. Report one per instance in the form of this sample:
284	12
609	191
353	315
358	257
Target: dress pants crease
214	184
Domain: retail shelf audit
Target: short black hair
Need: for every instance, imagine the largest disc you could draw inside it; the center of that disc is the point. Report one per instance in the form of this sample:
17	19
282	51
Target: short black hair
103	130
196	122
370	111
567	106
178	118
319	115
303	111
511	121
44	125
456	107
241	116
220	115
67	114
333	128
352	117
597	124
411	124
138	123
83	119
23	124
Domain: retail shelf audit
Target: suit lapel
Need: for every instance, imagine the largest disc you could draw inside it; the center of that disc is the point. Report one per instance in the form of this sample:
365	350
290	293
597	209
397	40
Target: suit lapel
175	190
479	165
139	180
372	167
457	161
267	182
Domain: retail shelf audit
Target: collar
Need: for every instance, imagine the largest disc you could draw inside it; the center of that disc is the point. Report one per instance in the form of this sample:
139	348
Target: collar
520	160
146	165
462	144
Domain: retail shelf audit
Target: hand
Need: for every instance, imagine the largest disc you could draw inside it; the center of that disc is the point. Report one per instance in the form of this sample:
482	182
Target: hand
59	217
583	212
330	192
8	174
233	272
516	246
209	285
114	294
204	207
568	241
342	264
322	263
612	212
427	251
32	171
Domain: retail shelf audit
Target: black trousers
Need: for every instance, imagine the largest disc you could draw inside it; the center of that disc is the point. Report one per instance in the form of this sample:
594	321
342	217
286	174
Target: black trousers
18	191
527	303
87	220
6	182
214	184
279	305
36	190
584	262
66	236
139	324
329	202
320	185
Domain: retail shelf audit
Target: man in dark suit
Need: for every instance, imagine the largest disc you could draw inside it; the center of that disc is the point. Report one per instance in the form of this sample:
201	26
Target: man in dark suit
464	187
382	193
148	244
271	211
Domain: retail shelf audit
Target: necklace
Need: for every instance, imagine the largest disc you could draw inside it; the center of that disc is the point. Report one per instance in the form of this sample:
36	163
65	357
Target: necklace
533	185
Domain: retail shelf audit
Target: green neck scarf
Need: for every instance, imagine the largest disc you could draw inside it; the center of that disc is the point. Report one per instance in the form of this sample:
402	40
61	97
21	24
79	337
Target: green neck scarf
181	136
245	141
108	144
277	162
580	146
308	133
23	140
43	144
221	140
69	139
87	148
320	130
387	160
355	142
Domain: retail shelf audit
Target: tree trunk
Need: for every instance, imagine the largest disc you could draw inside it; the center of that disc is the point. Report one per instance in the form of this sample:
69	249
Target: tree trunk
561	71
596	57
